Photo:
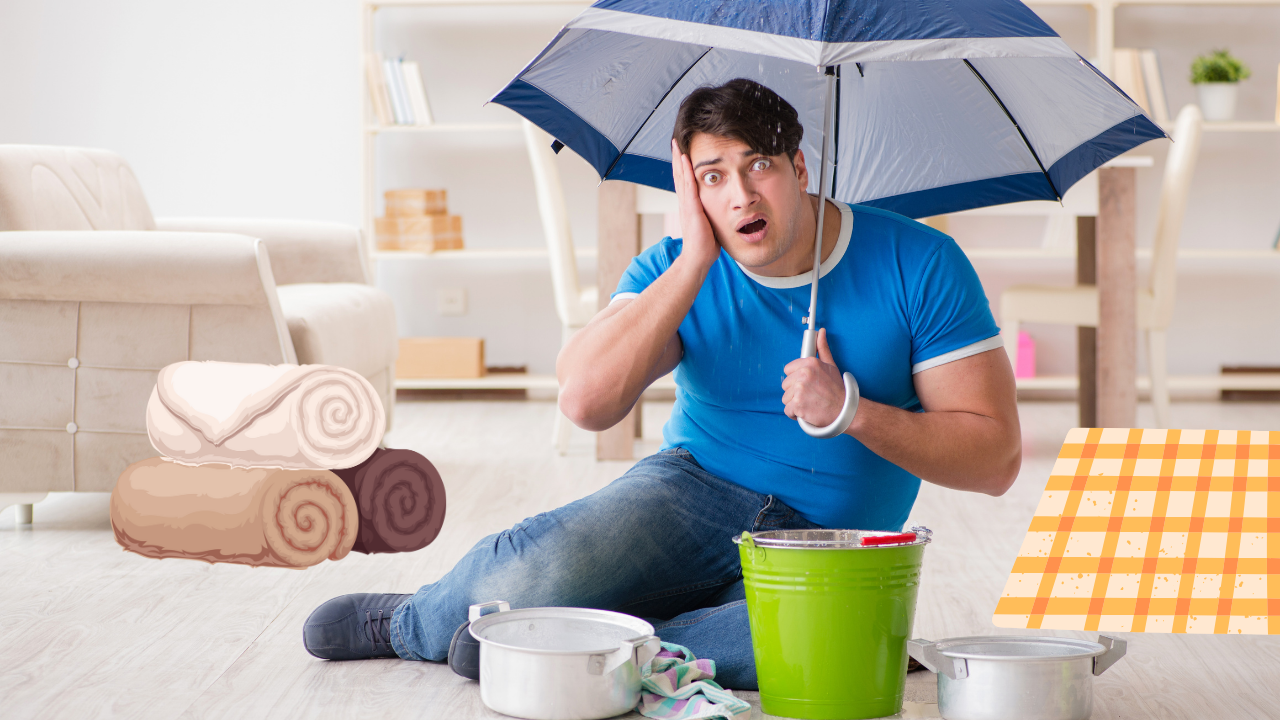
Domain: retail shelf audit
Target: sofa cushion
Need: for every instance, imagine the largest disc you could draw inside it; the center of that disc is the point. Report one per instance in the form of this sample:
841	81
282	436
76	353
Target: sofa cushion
63	188
345	324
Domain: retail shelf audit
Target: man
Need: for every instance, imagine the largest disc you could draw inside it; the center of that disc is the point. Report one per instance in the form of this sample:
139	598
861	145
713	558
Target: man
906	315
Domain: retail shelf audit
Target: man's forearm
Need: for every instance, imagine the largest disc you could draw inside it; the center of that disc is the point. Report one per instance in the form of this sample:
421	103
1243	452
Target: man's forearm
606	365
958	450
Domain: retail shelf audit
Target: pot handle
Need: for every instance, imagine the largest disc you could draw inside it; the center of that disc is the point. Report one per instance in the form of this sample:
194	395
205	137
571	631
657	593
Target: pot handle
477	611
926	653
640	650
1115	650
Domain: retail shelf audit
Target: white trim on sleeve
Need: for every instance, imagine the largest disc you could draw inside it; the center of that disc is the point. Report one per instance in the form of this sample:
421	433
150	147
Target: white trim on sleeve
623	296
981	346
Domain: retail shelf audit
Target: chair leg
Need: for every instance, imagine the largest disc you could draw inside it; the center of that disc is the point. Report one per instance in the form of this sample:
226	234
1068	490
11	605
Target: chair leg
560	434
1159	370
563	428
26	514
1010	334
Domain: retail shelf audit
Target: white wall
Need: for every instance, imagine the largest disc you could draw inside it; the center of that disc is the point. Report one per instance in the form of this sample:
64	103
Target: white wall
252	109
227	108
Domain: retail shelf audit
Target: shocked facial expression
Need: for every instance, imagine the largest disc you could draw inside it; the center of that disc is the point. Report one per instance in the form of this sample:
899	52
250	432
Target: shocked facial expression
753	201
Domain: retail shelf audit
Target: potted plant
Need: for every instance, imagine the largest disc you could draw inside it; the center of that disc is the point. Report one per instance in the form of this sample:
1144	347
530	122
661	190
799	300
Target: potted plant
1215	77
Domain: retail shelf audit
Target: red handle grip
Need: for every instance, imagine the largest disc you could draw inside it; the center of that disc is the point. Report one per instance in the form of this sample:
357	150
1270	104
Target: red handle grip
889	539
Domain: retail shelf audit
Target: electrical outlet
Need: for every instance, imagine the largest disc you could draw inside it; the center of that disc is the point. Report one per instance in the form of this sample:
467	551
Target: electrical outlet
451	301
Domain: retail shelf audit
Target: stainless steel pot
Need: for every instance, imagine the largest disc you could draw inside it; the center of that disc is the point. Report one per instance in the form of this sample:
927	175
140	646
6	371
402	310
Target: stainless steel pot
560	663
1003	677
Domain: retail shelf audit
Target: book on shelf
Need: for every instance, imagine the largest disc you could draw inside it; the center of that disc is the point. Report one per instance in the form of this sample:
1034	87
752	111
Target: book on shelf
417	92
378	89
396	89
1137	73
1154	82
395	84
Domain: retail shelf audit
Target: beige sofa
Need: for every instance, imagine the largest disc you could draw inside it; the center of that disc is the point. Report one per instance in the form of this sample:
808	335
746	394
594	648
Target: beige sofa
96	296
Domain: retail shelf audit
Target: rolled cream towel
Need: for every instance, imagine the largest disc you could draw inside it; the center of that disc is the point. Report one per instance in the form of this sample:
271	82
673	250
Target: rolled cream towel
249	415
218	513
401	501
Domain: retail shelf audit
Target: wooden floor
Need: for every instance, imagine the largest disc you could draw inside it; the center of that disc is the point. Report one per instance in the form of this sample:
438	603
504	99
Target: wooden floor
88	630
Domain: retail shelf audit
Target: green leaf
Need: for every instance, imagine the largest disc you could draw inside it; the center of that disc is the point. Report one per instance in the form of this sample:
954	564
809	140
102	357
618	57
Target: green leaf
1219	66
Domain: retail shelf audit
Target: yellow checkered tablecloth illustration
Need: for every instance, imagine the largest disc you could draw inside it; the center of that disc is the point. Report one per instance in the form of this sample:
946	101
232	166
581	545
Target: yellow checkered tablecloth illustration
1153	531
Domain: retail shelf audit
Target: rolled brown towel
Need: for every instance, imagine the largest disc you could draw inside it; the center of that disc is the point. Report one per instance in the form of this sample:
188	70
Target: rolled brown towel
401	501
218	513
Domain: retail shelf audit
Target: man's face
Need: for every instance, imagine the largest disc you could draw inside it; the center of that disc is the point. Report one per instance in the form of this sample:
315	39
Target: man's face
753	201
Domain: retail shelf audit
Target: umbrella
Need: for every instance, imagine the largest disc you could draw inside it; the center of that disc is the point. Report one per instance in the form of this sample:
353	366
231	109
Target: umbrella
921	108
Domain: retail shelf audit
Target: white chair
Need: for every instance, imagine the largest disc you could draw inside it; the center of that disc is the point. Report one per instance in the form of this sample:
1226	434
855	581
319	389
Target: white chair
575	304
1079	305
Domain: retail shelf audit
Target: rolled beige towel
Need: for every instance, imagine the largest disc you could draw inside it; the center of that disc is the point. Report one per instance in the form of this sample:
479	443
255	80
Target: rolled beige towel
218	513
252	415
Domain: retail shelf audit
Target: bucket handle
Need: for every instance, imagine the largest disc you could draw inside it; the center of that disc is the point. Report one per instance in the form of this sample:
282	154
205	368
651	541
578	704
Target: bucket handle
926	653
640	650
1115	650
475	612
755	552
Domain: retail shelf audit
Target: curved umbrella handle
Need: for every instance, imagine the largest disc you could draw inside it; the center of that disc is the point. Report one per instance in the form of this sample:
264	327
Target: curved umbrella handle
844	419
809	348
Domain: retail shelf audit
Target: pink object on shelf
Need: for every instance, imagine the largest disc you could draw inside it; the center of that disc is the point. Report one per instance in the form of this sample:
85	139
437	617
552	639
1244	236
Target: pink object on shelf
1026	357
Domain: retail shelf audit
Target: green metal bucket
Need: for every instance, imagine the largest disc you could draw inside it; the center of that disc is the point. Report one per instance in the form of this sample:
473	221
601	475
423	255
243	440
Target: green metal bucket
830	619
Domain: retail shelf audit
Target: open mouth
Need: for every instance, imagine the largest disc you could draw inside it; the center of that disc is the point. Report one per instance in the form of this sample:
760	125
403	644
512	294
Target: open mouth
753	230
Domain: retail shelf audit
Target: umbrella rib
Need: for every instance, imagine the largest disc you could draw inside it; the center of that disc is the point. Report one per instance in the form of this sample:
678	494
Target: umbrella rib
1017	127
835	136
651	112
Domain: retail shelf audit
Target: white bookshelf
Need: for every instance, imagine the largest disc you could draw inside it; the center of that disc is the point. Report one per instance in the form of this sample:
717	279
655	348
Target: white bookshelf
1102	13
443	128
1239	126
505	381
499	254
371	130
1182	383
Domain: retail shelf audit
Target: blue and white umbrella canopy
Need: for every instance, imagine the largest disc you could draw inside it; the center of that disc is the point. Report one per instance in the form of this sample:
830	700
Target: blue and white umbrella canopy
941	105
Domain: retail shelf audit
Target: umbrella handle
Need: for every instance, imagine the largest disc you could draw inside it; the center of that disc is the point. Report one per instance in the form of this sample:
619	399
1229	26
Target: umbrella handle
851	396
844	419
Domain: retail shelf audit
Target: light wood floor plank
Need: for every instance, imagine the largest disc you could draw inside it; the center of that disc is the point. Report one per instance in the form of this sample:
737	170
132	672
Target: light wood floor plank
90	631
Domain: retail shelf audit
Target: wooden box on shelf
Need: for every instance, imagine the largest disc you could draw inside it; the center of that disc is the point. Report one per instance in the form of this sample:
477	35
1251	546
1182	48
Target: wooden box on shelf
440	357
425	233
415	203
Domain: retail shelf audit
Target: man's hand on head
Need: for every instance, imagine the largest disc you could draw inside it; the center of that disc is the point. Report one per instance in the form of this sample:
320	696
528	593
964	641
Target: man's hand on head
814	387
700	243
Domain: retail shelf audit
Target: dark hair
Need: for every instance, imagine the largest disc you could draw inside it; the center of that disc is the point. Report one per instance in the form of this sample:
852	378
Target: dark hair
743	110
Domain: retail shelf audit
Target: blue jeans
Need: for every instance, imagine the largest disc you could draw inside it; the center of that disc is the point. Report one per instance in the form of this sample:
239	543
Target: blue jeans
656	543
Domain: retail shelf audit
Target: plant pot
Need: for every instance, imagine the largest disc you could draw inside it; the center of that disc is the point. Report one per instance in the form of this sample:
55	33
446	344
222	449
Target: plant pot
1217	100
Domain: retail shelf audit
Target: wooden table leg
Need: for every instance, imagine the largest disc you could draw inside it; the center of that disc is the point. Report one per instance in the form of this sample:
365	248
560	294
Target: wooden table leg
617	242
1117	299
1087	337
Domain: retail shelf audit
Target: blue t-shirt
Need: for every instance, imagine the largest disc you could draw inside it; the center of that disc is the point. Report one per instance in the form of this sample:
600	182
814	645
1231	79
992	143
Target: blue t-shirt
896	297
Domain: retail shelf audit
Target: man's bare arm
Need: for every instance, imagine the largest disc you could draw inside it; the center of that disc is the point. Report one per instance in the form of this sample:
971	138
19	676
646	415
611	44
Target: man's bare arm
968	438
607	364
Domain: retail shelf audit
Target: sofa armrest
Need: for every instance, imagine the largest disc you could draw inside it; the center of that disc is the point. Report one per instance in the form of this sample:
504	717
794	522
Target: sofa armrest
302	251
141	266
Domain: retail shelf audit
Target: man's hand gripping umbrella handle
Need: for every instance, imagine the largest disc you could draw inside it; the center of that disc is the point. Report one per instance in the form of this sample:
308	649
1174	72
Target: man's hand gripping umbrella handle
845	418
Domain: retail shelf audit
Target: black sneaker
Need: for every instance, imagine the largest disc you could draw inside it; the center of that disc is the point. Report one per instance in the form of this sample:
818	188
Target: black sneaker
464	653
352	627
